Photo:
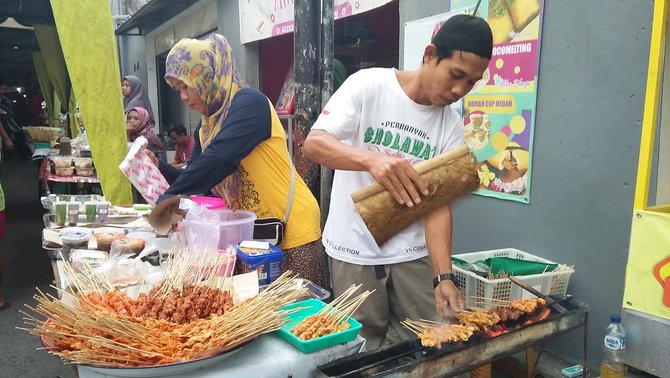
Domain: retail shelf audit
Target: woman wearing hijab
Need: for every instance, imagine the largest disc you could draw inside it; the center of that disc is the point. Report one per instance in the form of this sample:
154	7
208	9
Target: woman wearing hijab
138	123
244	155
134	95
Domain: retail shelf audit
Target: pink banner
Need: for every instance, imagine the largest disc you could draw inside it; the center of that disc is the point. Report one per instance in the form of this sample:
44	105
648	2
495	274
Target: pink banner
261	19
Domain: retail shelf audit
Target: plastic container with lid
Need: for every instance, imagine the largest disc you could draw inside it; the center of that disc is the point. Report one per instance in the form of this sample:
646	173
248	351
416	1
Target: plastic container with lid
62	162
74	238
105	236
211	203
235	226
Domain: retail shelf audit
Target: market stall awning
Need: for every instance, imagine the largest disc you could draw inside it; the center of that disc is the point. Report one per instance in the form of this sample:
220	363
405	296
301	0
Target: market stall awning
153	14
27	12
17	40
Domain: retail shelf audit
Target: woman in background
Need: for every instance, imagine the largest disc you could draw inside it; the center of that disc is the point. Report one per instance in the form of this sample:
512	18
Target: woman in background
134	95
138	123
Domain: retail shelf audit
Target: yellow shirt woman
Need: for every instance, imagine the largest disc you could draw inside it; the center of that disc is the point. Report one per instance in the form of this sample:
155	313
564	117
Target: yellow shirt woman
244	154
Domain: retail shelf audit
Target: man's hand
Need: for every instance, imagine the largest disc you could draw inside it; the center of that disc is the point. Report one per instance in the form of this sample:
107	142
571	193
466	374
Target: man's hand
151	156
448	299
398	177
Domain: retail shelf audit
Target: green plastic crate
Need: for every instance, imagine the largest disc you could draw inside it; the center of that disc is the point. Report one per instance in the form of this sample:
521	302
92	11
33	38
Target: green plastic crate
311	307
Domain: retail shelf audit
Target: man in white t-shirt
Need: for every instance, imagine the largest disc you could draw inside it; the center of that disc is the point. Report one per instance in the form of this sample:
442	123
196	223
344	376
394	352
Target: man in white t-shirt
374	128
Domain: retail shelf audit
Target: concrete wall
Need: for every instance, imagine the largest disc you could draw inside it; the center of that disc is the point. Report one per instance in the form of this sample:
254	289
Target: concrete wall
591	91
131	57
192	23
246	56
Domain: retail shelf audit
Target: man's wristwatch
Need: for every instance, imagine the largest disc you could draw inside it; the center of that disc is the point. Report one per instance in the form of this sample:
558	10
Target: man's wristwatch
444	277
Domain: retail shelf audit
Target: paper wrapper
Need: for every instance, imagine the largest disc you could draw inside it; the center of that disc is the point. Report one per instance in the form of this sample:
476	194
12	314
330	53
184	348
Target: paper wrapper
449	176
143	173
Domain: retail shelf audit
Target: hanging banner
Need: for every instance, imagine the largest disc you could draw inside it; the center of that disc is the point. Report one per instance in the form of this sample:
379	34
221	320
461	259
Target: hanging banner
89	49
648	269
499	113
261	19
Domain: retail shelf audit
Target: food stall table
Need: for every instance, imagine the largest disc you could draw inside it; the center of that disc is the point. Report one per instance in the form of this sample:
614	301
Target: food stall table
48	180
268	356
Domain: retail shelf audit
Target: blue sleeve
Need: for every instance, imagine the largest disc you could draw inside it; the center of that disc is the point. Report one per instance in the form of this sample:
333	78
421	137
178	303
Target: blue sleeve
168	171
247	125
197	148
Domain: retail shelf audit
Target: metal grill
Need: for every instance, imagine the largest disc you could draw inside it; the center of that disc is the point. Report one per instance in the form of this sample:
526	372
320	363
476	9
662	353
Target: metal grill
410	359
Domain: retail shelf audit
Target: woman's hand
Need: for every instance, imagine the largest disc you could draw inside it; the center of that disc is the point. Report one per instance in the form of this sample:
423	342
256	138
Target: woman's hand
398	177
151	156
448	299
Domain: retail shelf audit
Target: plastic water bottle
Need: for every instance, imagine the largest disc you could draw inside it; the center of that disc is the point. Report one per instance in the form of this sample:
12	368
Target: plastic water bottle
614	347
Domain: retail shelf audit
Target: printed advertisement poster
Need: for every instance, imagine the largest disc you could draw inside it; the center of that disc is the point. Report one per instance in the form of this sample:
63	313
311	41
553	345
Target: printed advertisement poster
260	19
648	269
499	113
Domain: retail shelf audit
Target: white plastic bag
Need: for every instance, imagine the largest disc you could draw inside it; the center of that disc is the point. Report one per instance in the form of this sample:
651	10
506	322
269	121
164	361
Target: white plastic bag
201	226
143	173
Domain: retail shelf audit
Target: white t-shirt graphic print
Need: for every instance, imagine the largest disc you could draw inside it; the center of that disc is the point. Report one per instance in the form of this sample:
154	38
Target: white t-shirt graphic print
371	111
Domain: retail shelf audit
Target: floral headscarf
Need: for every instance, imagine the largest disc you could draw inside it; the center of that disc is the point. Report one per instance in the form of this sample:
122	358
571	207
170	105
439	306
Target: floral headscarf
208	68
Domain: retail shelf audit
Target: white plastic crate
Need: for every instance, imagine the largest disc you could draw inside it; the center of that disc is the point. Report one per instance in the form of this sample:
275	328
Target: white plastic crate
472	285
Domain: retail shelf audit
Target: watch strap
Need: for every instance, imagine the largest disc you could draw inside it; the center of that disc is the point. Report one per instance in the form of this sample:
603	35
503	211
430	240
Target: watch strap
444	277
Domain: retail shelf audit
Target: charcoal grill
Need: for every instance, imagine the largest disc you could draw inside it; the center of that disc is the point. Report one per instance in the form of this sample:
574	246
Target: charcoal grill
410	359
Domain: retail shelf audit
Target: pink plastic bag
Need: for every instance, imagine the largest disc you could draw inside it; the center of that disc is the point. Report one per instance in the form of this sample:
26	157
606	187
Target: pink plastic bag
143	173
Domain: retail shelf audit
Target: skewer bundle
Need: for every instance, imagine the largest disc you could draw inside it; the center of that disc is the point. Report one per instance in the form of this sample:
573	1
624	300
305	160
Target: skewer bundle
89	333
333	317
434	334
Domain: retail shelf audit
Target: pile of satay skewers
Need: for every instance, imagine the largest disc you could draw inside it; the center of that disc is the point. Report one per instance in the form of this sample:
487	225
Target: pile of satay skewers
434	334
88	332
333	317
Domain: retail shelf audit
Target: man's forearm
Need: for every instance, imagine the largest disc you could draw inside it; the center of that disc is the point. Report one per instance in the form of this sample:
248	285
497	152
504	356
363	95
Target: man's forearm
439	226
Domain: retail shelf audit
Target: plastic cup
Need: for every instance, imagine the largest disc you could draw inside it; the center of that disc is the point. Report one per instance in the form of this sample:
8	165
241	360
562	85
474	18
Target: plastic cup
73	213
61	213
91	211
103	210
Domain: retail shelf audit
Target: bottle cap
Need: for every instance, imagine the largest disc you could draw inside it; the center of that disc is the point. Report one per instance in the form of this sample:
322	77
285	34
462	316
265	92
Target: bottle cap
615	319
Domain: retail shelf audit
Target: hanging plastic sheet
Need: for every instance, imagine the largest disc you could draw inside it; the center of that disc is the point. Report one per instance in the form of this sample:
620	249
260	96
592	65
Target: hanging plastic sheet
87	38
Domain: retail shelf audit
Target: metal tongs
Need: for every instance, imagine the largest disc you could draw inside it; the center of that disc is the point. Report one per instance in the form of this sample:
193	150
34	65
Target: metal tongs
550	301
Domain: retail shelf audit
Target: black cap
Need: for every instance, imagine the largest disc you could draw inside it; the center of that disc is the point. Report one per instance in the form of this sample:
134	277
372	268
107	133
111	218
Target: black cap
465	33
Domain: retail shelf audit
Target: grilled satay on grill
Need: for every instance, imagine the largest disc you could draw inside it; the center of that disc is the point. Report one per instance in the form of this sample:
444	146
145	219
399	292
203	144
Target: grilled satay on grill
527	305
447	333
478	319
507	313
